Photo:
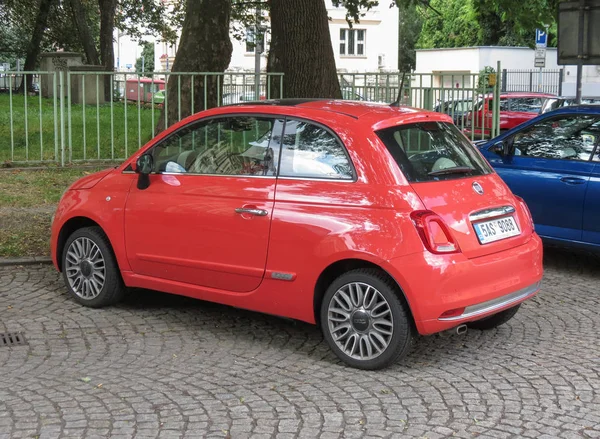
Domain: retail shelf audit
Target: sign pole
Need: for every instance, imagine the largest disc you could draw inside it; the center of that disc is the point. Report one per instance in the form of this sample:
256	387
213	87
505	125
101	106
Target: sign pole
580	49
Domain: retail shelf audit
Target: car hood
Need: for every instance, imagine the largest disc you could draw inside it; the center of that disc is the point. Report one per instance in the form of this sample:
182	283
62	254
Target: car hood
89	181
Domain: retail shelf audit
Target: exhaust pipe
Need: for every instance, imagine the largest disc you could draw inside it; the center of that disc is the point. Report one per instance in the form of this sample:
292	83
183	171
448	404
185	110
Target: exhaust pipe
461	329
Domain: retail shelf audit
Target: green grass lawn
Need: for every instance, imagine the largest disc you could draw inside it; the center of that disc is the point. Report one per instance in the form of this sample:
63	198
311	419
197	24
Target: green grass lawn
27	202
103	132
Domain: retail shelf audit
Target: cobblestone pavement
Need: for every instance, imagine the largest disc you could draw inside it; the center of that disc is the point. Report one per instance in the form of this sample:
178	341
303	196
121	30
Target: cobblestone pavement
165	366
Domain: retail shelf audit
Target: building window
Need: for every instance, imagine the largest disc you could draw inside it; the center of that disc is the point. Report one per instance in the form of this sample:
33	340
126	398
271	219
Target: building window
251	40
352	42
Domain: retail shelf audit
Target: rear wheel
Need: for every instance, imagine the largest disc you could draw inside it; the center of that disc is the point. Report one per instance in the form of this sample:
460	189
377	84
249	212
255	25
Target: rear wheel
364	320
90	269
495	320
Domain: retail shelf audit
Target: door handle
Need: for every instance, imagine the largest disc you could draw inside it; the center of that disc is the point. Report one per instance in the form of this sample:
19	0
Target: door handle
573	180
257	212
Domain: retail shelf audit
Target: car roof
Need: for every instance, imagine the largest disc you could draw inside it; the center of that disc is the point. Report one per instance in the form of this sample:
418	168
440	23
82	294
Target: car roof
573	97
585	108
354	109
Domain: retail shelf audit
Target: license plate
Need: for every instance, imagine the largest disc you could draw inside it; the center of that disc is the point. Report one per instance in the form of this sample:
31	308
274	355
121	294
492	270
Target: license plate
497	229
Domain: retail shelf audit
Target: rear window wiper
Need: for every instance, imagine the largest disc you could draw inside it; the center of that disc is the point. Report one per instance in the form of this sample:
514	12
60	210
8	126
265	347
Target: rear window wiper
455	170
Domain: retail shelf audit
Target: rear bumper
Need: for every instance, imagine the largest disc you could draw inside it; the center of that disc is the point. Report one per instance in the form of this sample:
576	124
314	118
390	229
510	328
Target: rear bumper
435	284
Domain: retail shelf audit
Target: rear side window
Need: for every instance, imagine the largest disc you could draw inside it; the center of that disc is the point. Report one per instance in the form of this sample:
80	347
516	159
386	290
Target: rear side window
311	151
526	105
433	151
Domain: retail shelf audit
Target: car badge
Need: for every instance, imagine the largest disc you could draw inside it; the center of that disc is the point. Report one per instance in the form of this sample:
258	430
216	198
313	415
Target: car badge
477	188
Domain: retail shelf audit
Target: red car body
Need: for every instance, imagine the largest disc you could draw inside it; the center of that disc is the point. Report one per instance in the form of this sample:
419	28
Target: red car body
181	235
515	109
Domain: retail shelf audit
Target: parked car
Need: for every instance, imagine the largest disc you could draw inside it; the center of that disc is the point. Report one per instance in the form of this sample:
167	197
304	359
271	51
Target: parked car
236	98
553	162
515	108
374	221
555	103
142	89
457	109
159	97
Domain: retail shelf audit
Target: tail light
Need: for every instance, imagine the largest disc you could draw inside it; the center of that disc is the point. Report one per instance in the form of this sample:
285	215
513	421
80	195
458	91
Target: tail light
527	211
434	232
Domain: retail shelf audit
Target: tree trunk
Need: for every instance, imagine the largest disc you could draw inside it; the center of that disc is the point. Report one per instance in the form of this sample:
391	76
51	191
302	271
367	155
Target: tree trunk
83	31
34	48
301	49
107	51
204	46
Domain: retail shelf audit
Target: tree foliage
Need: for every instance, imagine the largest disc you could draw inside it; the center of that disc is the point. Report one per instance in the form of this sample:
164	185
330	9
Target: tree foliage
147	63
409	30
456	23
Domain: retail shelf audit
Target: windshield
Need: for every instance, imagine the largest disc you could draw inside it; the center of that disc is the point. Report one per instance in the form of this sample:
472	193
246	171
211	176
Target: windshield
433	151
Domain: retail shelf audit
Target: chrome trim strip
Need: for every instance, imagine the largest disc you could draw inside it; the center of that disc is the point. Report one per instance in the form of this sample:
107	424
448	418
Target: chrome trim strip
491	213
499	302
338	180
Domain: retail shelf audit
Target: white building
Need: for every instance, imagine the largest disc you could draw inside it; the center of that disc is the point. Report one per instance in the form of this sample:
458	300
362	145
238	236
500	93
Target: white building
447	67
370	46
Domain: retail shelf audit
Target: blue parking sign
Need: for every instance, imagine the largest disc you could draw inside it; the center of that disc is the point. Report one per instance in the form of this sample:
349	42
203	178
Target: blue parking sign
541	38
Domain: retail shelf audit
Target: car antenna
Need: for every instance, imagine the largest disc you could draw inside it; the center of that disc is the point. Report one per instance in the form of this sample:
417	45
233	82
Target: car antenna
396	103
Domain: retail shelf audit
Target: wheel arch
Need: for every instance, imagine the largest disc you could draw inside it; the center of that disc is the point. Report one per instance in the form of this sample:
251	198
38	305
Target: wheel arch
67	229
335	269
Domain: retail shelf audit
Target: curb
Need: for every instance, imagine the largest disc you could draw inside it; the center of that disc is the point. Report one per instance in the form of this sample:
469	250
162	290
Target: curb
8	262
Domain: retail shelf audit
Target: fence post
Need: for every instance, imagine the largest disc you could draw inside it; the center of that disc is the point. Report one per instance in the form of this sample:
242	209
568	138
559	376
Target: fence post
62	117
531	80
497	101
504	79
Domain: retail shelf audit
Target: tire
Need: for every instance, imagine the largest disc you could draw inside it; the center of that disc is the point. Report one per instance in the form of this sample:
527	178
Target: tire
495	320
346	319
90	270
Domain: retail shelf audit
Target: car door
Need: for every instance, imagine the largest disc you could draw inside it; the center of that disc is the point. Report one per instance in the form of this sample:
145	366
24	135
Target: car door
591	207
549	166
205	217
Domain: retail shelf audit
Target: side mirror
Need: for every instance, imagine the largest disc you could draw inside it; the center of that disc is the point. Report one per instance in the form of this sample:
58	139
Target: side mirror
143	166
500	148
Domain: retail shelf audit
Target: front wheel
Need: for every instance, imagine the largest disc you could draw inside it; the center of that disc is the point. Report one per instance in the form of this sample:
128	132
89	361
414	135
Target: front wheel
364	321
495	320
90	269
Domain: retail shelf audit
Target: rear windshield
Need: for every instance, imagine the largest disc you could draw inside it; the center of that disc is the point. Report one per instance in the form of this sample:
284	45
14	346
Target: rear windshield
433	151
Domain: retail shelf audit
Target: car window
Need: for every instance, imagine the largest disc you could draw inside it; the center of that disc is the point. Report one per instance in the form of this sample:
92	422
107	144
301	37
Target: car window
569	138
503	104
526	105
238	145
433	151
311	151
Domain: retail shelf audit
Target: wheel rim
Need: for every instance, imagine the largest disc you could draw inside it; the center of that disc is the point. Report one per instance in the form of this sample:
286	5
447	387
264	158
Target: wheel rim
360	321
85	268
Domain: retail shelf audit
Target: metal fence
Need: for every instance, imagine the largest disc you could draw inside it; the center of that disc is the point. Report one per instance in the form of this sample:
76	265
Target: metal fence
81	116
71	118
539	81
469	99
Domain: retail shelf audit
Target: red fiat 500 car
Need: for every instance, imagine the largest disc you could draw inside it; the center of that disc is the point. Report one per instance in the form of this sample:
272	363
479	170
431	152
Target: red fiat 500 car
375	222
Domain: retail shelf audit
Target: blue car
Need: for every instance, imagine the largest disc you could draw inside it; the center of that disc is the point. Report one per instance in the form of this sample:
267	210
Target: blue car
553	162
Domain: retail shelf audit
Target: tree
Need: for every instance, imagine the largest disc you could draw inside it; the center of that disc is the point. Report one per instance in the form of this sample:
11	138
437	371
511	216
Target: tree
455	23
34	48
301	49
409	29
80	19
145	63
204	46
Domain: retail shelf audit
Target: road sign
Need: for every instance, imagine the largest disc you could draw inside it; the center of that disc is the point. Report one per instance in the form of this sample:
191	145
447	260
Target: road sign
540	57
541	38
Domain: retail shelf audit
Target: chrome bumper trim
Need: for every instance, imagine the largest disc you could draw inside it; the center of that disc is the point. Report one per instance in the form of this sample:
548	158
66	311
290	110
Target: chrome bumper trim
499	302
491	213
